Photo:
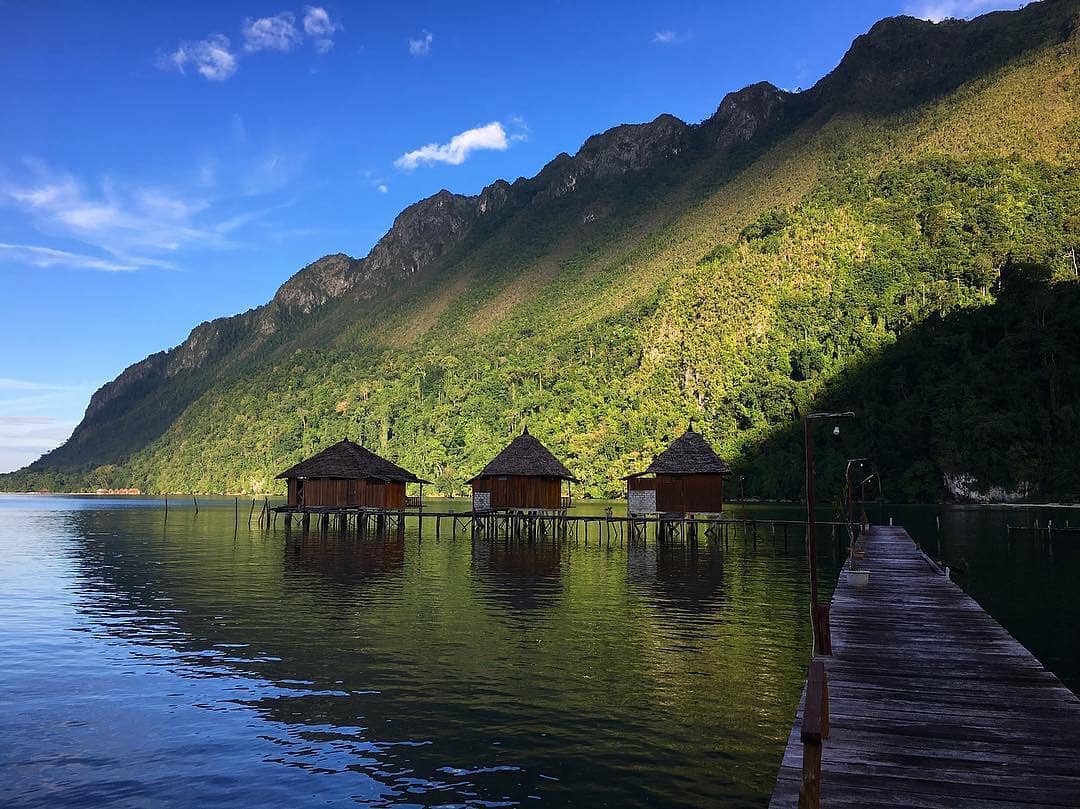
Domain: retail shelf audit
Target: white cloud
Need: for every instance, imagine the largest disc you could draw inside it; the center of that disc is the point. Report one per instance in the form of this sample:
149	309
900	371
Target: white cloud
117	219
138	226
666	38
421	46
381	188
212	58
938	10
47	257
319	26
454	153
277	33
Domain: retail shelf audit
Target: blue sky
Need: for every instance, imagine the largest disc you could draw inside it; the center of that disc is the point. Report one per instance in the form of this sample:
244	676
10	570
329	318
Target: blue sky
164	164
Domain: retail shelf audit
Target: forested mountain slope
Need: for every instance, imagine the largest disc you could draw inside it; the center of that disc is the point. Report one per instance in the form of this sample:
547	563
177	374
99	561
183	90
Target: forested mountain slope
900	239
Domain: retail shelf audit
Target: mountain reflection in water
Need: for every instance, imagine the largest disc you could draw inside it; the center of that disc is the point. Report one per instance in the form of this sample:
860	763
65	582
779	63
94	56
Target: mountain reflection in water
149	663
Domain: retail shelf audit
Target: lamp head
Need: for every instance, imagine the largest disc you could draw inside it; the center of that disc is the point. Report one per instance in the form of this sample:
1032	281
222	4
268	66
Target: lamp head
836	430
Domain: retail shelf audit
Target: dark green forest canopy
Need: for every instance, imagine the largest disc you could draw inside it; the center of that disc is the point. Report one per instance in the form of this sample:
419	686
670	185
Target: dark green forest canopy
918	267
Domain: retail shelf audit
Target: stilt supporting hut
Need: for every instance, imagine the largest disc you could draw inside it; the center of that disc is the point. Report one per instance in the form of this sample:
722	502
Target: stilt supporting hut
348	476
686	478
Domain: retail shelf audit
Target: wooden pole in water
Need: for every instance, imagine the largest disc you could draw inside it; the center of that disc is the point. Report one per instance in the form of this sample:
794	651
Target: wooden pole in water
252	512
166	507
236	514
196	502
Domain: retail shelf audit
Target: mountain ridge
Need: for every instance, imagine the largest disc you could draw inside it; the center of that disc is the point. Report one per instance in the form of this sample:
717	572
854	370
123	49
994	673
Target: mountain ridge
585	198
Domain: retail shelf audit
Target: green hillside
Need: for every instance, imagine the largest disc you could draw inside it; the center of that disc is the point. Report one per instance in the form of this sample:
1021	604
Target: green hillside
901	239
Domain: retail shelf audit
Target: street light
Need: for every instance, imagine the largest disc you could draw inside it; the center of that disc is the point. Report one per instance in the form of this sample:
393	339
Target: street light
819	627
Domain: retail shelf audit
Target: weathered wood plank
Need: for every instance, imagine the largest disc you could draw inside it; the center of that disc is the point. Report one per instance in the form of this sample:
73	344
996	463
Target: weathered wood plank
932	703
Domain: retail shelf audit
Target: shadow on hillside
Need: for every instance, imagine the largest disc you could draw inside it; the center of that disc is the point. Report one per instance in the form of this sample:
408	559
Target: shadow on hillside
990	392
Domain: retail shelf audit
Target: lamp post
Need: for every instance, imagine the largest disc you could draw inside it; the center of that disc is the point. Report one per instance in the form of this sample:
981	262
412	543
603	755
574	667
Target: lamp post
820	633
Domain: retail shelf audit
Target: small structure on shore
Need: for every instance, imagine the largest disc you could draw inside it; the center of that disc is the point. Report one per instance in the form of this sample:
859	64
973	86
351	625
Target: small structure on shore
523	477
346	475
686	478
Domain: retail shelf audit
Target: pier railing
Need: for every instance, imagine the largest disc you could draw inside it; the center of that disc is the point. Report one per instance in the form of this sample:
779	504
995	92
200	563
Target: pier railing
814	731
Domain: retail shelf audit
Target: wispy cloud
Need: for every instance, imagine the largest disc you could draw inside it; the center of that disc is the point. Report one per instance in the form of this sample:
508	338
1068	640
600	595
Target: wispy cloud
319	26
24	438
668	38
277	33
9	384
47	257
212	58
938	10
124	221
522	133
490	136
422	45
374	181
22	442
137	226
36	417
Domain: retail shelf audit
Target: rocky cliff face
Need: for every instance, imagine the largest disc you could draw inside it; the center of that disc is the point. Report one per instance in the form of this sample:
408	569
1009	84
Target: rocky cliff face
319	281
902	61
745	113
423	233
141	373
630	147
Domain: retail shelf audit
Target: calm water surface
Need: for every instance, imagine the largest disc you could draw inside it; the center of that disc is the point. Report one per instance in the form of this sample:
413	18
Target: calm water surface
177	664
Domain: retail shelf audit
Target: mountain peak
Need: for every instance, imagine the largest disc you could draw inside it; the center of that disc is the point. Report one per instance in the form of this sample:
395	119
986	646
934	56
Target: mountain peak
744	113
623	148
319	281
903	61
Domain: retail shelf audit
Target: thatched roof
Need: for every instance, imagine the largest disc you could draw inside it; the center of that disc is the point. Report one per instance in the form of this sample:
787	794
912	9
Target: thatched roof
689	454
527	457
350	461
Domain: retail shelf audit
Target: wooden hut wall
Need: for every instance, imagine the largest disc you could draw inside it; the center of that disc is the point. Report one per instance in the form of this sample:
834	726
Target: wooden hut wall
340	492
692	494
521	491
291	497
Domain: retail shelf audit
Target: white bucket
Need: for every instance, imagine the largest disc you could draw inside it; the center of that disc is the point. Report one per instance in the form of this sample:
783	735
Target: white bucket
859	578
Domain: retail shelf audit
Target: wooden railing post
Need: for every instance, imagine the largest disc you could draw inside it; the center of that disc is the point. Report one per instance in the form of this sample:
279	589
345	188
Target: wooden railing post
823	639
815	729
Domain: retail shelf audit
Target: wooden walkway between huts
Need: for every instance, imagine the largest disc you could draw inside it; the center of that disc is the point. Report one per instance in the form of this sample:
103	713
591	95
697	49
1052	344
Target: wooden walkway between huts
931	703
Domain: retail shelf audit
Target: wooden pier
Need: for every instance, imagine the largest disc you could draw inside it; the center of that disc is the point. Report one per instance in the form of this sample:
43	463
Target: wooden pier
550	525
926	701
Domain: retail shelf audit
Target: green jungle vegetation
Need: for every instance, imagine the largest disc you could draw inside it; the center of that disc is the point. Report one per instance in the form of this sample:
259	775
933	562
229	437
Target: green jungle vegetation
915	262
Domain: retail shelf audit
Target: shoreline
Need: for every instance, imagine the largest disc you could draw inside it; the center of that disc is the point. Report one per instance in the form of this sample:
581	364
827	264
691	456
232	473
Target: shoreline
746	502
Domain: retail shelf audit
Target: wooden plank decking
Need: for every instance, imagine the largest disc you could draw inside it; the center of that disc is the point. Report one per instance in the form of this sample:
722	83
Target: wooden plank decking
932	704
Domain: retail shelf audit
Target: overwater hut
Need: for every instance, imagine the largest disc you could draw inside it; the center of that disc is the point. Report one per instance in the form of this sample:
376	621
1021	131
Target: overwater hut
524	476
346	475
686	478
